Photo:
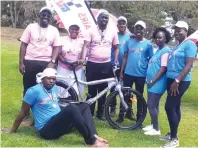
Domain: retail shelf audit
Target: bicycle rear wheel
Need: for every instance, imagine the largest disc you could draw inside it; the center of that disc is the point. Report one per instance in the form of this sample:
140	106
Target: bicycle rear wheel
137	107
64	94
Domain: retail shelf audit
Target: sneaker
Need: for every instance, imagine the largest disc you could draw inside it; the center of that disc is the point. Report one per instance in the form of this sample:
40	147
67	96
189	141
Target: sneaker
152	132
120	119
166	137
130	116
147	128
102	118
172	143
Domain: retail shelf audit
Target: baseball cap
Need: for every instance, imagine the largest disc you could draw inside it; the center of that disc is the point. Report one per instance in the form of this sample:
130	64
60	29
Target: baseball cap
48	72
181	24
102	11
141	23
47	9
122	18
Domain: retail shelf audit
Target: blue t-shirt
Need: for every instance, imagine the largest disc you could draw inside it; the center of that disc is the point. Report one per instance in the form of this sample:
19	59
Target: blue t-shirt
138	57
154	66
44	104
177	59
123	38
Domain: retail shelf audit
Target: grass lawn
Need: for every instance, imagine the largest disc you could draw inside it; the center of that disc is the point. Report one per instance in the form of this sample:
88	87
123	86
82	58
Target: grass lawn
11	86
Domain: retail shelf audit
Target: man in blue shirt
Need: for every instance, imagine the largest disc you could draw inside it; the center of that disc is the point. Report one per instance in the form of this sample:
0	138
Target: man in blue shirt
123	36
137	53
52	122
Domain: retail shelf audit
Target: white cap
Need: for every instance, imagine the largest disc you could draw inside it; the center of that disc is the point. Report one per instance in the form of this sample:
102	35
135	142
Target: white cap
182	24
46	8
102	11
122	18
141	23
48	72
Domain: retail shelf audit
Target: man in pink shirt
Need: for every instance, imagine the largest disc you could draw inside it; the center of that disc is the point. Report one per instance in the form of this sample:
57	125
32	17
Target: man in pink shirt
102	38
39	48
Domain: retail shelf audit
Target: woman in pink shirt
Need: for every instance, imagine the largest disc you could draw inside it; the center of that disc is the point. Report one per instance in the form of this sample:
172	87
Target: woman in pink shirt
102	38
72	50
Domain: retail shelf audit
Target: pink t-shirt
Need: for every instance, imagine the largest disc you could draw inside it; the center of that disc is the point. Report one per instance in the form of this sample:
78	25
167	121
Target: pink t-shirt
71	50
40	42
100	49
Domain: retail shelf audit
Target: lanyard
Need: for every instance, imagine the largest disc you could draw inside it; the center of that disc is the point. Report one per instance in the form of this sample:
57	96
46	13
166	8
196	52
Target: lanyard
50	95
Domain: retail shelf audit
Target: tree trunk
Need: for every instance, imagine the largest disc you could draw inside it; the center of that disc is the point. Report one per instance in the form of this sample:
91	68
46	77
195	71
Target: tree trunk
12	14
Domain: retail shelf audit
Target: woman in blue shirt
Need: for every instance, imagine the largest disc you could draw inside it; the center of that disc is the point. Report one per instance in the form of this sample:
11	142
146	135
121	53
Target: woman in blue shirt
156	78
178	79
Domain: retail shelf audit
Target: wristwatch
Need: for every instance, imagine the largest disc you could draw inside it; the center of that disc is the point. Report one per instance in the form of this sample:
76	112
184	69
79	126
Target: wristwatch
177	81
53	61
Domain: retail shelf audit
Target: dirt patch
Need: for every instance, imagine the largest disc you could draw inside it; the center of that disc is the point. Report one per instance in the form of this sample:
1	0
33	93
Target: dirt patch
8	33
11	33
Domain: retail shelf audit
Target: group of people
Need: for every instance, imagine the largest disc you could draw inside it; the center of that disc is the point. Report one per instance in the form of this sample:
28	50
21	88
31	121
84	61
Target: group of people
42	49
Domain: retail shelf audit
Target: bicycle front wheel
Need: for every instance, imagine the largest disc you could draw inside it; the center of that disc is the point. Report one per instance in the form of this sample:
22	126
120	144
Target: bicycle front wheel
120	118
64	94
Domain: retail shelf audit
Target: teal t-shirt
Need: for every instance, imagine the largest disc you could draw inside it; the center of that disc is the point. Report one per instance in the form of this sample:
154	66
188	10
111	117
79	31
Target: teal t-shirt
177	59
123	38
153	68
139	54
44	105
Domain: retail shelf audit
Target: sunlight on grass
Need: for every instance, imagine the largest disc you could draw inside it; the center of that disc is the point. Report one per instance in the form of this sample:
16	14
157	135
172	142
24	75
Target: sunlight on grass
11	86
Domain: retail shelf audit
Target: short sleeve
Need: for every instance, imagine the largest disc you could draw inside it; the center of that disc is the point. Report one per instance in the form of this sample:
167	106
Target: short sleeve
57	40
30	96
164	59
26	34
115	39
126	49
190	50
87	36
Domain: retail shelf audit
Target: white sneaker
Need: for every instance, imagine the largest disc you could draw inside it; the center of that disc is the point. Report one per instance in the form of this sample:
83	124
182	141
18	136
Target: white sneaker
147	128
152	132
172	143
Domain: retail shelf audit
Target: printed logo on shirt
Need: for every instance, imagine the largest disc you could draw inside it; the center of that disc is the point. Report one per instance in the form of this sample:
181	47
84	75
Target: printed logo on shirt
138	50
153	60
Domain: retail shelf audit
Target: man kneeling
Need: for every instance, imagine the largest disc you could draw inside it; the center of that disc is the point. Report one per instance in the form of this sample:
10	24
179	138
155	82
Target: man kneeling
52	122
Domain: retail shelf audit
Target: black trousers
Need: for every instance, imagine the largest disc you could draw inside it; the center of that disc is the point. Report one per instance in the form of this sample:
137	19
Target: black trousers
173	104
32	67
73	115
114	101
98	71
139	86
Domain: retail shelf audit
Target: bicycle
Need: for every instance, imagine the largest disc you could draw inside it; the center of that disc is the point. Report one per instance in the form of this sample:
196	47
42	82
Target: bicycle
119	91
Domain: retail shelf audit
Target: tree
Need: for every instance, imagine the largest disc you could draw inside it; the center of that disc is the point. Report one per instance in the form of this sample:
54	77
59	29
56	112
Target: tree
16	8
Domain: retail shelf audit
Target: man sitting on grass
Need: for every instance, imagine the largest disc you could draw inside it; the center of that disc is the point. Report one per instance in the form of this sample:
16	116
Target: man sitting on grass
52	122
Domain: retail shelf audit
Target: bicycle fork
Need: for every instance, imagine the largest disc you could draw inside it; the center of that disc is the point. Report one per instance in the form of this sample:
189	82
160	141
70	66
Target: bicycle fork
118	88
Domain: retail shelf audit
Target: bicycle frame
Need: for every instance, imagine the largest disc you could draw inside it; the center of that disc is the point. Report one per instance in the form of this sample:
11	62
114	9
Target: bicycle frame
114	83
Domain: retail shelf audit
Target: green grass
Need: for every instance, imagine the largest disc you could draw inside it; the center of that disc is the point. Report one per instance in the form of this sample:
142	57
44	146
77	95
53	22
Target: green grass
11	86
